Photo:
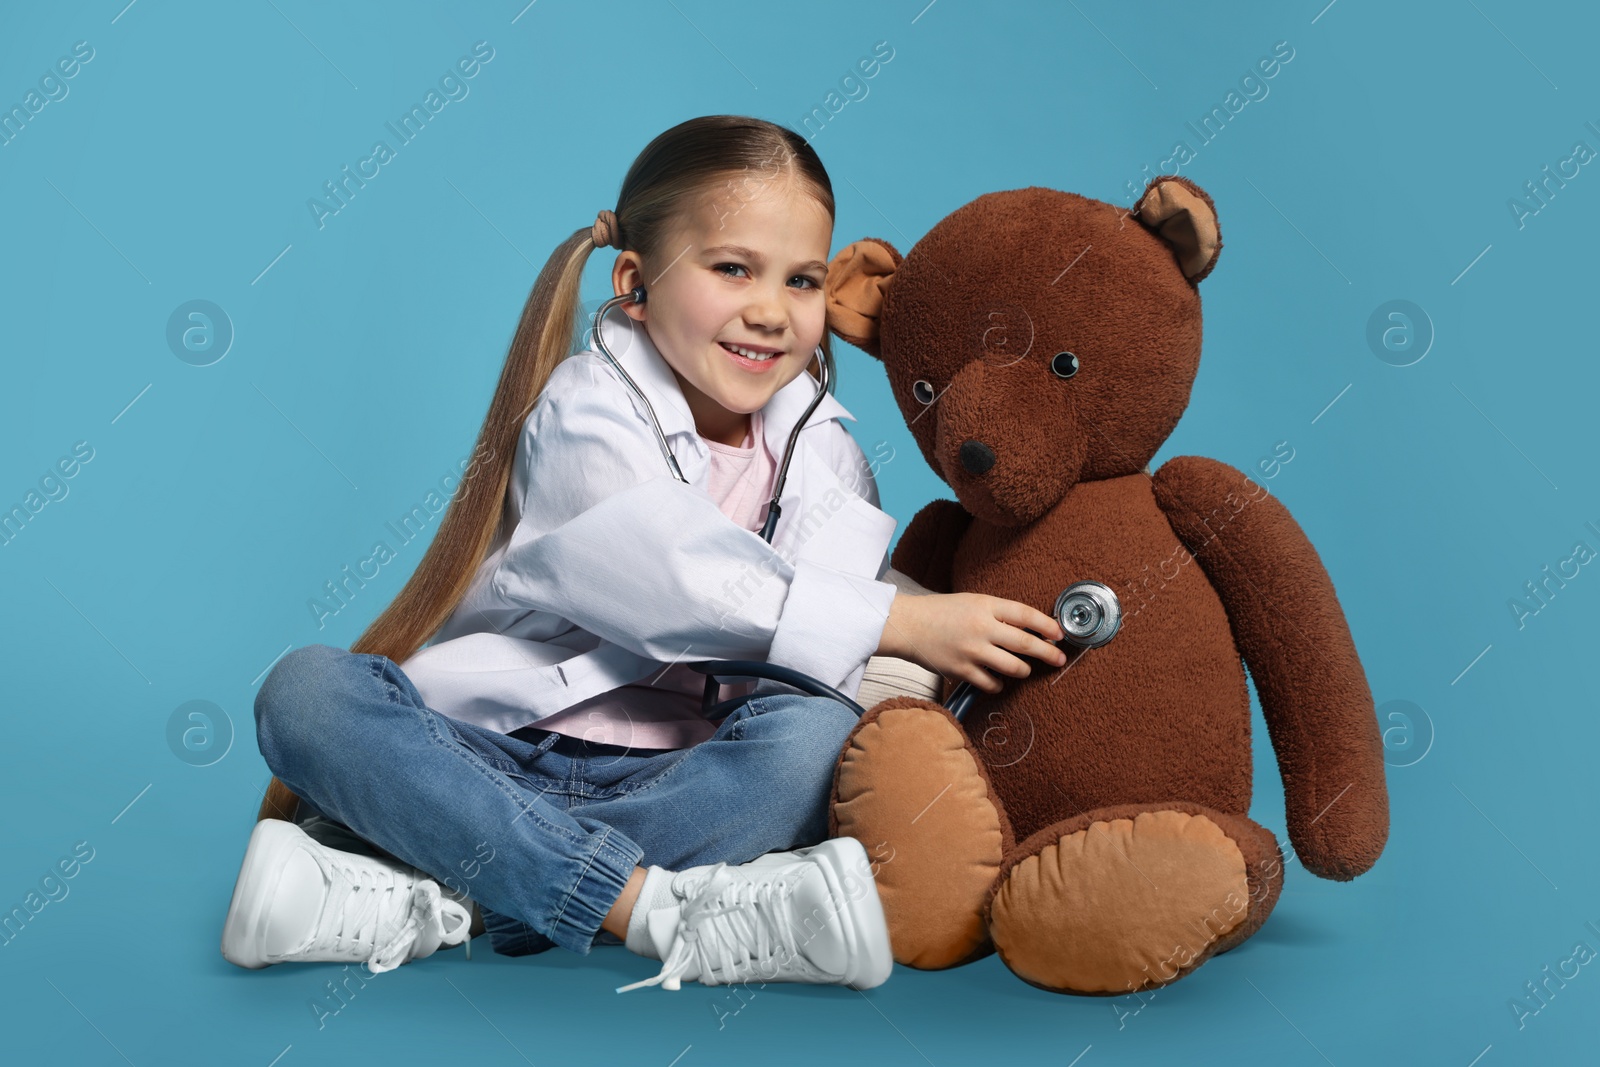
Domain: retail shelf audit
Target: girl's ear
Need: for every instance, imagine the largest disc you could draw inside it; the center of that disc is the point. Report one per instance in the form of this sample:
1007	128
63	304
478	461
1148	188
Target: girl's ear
857	279
627	272
1181	213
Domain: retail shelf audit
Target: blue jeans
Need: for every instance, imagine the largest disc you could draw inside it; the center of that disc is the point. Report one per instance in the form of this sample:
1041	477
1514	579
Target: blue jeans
540	829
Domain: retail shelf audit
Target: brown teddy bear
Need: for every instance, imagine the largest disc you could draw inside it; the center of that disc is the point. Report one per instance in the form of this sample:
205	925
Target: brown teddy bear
1091	823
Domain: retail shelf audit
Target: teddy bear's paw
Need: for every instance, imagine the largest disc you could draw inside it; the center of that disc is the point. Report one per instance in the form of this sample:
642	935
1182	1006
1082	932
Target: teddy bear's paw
910	788
1111	906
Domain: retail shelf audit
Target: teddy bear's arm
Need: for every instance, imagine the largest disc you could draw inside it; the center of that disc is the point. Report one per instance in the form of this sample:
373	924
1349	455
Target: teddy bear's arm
928	547
1295	640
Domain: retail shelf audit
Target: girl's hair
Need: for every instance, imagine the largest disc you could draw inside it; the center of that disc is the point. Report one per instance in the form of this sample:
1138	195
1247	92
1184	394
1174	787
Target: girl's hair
694	159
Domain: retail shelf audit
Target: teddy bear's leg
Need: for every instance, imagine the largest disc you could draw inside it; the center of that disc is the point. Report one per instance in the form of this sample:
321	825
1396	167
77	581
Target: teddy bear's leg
1264	866
1122	899
910	787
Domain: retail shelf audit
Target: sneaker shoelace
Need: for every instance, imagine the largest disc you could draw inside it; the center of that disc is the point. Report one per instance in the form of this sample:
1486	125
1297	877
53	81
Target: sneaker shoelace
382	914
733	928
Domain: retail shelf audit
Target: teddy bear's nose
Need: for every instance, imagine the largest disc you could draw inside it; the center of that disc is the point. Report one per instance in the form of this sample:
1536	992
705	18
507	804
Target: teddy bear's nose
976	456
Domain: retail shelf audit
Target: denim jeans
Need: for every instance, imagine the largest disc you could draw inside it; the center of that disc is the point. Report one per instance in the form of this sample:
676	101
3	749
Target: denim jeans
540	829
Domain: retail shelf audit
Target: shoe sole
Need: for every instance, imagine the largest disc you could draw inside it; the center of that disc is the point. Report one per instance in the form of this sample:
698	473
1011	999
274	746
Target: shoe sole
271	842
865	926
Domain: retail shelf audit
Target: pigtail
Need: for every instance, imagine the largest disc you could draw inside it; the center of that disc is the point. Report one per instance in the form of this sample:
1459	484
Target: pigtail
476	517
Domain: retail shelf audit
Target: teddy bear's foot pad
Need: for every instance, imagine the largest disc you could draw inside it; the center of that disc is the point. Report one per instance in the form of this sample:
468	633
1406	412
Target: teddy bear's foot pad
1118	906
910	788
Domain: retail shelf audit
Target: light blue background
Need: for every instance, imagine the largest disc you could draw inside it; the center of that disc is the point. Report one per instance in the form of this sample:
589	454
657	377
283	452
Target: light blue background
220	498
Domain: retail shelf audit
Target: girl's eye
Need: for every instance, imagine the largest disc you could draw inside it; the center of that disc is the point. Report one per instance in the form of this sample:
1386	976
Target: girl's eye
807	282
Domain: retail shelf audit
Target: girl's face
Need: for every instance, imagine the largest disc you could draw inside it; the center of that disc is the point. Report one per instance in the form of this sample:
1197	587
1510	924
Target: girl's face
743	268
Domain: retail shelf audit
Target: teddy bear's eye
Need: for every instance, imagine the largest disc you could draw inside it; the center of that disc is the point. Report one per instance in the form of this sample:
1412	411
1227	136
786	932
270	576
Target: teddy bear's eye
1064	364
922	391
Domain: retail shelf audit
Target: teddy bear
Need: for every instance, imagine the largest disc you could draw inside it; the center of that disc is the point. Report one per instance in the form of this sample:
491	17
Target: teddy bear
1090	823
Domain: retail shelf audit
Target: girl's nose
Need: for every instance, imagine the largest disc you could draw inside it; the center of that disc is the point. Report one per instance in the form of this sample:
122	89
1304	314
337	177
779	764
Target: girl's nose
766	311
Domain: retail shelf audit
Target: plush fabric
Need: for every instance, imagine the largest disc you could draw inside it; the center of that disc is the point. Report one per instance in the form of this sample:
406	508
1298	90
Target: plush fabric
1128	894
1139	750
936	841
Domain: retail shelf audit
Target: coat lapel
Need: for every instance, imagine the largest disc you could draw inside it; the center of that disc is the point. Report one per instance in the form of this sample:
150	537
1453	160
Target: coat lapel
810	478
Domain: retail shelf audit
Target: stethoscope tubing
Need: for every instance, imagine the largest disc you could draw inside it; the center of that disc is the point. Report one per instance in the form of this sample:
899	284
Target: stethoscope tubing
824	362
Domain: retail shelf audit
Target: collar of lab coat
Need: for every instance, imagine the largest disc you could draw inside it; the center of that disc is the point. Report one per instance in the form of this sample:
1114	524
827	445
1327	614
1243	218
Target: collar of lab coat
856	546
630	343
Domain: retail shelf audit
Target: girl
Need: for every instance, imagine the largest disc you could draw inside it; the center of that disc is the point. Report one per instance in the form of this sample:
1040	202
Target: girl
546	754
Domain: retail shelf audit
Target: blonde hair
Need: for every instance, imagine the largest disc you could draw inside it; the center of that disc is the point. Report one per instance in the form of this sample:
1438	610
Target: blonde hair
681	165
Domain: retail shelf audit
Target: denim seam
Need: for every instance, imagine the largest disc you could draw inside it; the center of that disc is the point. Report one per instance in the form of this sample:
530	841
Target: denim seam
573	889
602	844
622	857
593	794
506	765
538	783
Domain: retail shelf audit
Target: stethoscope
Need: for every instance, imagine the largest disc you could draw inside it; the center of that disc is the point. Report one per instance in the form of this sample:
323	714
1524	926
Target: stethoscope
1088	612
1090	616
824	360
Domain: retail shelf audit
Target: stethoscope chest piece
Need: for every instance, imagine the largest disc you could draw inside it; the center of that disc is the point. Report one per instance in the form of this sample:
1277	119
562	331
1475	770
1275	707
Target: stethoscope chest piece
1089	613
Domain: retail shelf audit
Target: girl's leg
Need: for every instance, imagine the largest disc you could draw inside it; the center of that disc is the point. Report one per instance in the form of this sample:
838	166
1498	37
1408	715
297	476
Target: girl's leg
350	733
759	784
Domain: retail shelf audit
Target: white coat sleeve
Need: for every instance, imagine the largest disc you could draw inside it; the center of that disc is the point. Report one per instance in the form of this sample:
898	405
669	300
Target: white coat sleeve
609	540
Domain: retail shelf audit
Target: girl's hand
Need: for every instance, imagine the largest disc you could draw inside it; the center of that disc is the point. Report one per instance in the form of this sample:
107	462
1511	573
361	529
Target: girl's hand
967	635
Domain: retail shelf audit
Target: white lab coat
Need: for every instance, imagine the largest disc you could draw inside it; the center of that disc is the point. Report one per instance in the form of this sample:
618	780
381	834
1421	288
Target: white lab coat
615	569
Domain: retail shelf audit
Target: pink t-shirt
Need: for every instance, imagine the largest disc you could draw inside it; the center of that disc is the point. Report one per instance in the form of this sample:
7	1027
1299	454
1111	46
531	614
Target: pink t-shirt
663	712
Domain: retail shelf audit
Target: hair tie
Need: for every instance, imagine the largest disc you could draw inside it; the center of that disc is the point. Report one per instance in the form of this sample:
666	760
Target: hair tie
604	234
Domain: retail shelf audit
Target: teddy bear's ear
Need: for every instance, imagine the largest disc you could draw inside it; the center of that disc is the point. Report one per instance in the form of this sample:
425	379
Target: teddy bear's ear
854	290
1181	213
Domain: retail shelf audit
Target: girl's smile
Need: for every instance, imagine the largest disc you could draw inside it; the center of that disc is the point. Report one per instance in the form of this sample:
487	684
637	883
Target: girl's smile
755	359
735	307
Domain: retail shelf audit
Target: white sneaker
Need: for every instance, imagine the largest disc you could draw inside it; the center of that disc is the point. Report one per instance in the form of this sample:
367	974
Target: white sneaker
298	900
811	915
